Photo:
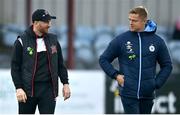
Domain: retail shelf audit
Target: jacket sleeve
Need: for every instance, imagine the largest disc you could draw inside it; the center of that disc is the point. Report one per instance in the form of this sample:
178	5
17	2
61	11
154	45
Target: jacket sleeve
107	57
62	71
164	60
16	63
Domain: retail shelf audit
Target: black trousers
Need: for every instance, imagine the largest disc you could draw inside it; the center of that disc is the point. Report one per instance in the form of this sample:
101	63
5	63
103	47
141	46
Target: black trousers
137	106
43	98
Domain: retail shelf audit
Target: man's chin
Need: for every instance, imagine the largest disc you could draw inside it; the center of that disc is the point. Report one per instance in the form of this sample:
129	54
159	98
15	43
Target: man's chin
132	30
45	32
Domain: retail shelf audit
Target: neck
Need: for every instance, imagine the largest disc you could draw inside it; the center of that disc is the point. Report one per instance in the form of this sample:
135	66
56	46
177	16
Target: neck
37	32
142	29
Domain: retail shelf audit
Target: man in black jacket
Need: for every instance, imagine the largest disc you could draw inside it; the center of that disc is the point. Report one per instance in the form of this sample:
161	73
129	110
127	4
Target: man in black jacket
37	62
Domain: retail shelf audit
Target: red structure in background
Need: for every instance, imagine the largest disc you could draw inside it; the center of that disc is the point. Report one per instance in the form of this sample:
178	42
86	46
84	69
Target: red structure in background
70	23
28	12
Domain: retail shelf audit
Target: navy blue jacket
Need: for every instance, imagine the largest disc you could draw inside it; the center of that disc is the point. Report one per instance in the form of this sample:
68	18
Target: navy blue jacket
138	54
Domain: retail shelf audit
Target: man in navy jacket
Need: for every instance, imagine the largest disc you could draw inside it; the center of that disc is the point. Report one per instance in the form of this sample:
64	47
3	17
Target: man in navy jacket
138	51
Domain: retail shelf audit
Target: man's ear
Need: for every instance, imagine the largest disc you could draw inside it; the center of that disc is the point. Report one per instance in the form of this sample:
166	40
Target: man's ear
145	20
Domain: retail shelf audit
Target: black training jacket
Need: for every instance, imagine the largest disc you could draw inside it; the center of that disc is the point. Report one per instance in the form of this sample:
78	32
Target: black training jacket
24	61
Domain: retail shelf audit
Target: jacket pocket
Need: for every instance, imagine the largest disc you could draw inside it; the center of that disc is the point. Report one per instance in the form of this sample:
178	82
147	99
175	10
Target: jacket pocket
130	84
147	87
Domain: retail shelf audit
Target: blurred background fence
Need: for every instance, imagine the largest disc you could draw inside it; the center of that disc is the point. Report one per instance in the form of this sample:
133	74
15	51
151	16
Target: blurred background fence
91	12
96	22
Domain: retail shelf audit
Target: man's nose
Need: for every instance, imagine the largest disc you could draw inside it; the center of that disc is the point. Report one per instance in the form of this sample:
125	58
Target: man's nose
130	22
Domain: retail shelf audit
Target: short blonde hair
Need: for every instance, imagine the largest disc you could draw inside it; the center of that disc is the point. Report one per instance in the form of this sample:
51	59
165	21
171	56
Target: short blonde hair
142	11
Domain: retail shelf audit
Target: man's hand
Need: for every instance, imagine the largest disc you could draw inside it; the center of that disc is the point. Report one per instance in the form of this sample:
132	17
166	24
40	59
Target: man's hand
120	79
66	91
21	95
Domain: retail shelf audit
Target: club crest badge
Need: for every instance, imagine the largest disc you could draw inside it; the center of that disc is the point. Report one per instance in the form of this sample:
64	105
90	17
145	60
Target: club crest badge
53	49
129	47
151	48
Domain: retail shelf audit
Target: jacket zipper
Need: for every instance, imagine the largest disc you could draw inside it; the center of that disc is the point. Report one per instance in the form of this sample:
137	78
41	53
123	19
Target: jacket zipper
34	71
140	63
49	63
